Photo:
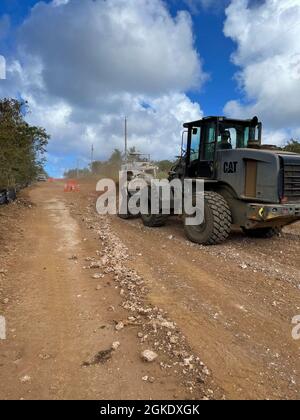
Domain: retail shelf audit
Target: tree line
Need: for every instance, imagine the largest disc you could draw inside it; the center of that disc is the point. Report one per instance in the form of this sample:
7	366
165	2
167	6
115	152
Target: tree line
292	146
22	146
110	167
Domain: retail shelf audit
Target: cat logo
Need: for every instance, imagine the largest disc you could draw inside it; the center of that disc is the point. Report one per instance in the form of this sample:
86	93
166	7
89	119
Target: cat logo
230	167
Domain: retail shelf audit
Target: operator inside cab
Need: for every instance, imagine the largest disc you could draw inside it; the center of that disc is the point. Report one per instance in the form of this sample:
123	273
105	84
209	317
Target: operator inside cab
225	141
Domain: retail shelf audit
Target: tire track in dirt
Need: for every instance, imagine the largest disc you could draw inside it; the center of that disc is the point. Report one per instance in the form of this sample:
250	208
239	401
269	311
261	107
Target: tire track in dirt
239	320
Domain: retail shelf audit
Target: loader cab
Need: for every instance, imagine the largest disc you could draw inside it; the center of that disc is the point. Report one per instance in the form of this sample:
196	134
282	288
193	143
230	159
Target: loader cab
210	136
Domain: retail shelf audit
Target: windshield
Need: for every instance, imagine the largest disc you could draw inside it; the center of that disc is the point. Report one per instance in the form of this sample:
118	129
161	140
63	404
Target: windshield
234	136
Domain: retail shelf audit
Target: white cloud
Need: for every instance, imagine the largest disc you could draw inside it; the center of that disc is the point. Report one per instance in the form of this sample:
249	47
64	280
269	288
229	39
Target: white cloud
83	65
112	46
60	2
268	52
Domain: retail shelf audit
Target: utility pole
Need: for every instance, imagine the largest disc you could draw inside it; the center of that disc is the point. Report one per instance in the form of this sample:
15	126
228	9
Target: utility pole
126	139
92	157
77	168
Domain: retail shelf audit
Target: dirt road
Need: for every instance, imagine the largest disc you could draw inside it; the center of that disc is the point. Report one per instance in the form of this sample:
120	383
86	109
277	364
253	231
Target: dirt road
218	318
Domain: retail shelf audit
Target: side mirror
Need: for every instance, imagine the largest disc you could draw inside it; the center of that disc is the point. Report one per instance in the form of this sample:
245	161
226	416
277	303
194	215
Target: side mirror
195	131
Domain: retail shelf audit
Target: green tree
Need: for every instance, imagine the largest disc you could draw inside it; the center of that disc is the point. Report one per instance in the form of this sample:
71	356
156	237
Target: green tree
22	147
77	173
292	146
164	165
116	158
97	167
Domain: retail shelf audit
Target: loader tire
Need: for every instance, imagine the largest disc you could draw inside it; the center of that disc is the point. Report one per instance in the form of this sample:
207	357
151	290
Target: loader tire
268	233
128	215
154	220
217	221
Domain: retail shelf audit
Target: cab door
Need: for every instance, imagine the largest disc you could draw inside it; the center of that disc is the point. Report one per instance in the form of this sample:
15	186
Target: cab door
207	150
193	151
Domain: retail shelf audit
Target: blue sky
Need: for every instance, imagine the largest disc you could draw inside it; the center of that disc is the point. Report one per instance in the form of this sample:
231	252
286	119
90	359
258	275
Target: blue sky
215	50
81	77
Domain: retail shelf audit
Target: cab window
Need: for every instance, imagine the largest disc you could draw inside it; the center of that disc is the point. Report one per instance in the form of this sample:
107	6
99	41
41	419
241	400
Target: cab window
209	142
227	139
195	144
237	136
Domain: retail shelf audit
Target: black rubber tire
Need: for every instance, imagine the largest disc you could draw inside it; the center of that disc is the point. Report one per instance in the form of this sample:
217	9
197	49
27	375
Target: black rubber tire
269	232
127	215
154	220
217	221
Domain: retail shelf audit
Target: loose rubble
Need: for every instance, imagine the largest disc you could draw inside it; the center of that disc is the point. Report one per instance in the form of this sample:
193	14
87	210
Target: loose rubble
25	379
119	326
98	276
155	328
115	345
149	356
